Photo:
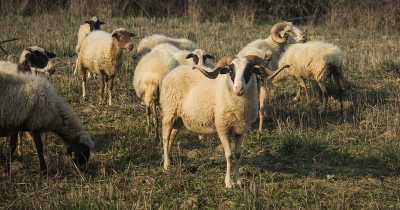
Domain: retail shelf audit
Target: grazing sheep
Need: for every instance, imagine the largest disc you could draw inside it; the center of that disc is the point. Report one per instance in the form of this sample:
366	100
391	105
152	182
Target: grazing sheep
313	61
33	59
149	42
226	105
103	54
25	100
282	33
84	30
151	70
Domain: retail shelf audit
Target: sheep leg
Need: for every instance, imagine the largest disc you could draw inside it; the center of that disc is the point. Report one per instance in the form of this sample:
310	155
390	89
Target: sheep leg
76	66
102	84
261	113
238	153
110	87
166	130
224	137
148	118
324	95
339	83
39	148
297	97
12	147
155	120
19	144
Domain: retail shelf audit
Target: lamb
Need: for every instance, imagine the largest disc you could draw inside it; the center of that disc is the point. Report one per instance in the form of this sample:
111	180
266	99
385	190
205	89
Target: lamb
189	99
33	59
26	98
153	67
84	30
103	54
313	61
149	42
282	33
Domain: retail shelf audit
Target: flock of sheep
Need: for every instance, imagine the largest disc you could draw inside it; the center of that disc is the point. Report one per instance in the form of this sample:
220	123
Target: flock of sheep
177	81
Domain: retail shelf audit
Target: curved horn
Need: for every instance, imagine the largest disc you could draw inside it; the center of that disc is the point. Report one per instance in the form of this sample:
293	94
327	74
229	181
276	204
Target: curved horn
277	71
255	60
276	36
222	63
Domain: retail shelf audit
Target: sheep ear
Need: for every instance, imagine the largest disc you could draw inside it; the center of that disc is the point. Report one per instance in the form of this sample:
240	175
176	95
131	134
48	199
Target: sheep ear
282	33
116	35
209	56
257	70
50	55
88	21
189	56
101	23
132	34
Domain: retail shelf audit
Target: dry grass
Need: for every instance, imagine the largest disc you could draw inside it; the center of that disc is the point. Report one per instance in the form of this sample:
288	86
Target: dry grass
304	161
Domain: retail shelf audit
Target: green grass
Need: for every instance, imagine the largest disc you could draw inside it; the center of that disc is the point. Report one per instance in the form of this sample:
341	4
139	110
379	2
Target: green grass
304	161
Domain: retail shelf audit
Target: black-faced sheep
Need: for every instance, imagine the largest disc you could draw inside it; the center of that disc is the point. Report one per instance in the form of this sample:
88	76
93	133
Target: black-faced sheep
282	34
152	69
313	61
226	106
103	53
31	103
151	41
32	60
84	30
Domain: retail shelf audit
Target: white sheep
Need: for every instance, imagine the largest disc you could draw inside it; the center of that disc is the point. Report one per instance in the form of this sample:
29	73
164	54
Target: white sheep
282	34
33	60
31	103
153	67
103	54
149	42
313	61
84	30
226	105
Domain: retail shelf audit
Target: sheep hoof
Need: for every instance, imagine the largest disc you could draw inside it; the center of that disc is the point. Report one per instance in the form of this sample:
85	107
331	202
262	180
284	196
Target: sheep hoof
229	183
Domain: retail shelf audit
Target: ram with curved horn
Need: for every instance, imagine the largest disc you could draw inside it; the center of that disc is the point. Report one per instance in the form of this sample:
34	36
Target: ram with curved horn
222	101
281	34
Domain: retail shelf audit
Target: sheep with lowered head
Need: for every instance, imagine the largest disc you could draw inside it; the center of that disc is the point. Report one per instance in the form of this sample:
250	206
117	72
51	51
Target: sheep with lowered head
153	67
84	30
313	61
32	60
222	101
282	34
151	41
31	103
103	53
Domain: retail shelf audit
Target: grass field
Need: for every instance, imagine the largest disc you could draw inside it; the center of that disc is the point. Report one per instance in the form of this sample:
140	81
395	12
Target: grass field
304	161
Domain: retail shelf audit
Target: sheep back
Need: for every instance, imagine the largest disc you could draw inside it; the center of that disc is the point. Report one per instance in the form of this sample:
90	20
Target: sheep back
149	42
204	105
84	30
311	61
8	67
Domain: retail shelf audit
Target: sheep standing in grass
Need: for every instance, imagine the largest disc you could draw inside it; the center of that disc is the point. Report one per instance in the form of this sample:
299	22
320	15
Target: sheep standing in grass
282	34
151	41
32	60
226	105
84	30
313	61
31	103
151	70
35	60
103	54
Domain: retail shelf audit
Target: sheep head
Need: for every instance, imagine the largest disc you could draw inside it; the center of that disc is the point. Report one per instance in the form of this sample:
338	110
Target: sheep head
279	31
79	149
199	57
297	36
94	23
122	38
36	60
240	70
